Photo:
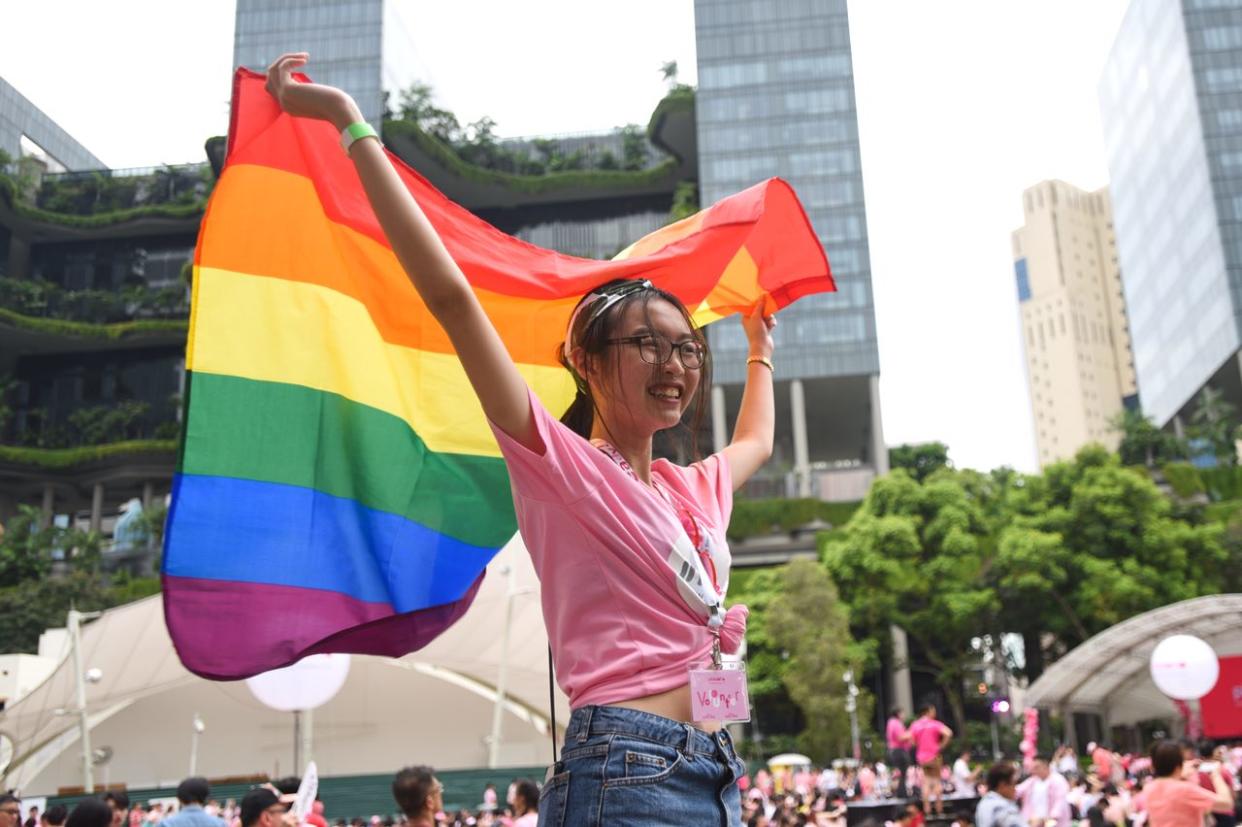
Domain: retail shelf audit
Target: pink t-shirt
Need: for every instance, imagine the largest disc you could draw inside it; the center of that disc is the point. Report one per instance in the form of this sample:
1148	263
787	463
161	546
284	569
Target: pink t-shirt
926	734
1172	802
895	732
599	539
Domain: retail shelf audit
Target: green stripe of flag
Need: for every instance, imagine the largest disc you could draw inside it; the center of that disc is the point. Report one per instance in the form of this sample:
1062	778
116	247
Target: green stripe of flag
295	435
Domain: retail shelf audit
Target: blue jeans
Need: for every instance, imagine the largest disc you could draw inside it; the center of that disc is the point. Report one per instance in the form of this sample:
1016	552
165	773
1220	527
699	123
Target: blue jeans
622	767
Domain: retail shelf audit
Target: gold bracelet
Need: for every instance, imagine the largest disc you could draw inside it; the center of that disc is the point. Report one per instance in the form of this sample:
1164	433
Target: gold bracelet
762	360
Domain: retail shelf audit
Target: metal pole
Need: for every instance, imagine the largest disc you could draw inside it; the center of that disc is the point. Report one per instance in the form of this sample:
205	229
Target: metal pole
493	743
851	706
308	734
996	751
84	729
297	740
195	729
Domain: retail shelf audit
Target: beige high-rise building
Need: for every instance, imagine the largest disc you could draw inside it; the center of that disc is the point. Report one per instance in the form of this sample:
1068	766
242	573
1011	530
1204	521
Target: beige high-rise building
1079	368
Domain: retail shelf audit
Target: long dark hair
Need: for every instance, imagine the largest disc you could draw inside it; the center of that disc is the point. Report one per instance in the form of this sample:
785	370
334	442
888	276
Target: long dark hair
592	333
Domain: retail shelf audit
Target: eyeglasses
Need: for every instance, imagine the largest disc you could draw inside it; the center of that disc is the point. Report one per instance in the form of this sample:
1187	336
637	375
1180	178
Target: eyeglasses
11	812
656	350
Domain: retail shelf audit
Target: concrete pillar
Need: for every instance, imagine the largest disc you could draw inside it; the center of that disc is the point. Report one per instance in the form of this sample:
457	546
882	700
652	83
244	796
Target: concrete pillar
1179	427
97	506
720	428
49	502
147	493
902	693
879	449
802	454
1070	736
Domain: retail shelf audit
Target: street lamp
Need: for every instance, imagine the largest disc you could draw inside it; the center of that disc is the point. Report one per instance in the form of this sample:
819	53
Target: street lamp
82	677
851	706
198	728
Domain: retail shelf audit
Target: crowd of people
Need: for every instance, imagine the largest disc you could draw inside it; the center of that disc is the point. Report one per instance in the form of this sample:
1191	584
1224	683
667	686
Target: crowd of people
1177	784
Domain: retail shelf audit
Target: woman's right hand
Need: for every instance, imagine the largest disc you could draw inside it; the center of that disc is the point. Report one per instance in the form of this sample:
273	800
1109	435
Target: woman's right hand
309	100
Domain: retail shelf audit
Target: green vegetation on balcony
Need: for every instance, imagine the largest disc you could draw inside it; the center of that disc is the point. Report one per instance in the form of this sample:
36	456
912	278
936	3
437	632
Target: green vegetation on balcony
61	458
36	298
100	199
89	330
87	434
756	517
473	152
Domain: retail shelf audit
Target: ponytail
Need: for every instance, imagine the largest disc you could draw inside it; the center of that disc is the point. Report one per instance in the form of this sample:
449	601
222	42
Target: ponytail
580	416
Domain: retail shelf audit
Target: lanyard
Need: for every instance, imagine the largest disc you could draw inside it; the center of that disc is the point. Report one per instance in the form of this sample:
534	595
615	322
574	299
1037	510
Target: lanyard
701	561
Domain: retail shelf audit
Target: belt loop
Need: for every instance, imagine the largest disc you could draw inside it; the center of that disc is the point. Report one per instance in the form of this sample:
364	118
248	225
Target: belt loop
689	740
585	732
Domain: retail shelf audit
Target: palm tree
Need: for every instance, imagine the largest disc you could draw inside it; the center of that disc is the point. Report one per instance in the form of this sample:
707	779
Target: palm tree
1213	422
669	73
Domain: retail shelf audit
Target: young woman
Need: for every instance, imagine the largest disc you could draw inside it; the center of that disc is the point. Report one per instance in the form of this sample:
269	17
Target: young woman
630	551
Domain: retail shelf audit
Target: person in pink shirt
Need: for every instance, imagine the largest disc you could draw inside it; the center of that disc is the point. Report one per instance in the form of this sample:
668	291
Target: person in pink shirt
630	550
1045	795
866	781
930	736
899	743
1174	798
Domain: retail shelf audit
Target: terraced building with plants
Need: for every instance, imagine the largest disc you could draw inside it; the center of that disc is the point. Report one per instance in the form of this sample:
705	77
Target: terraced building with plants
95	269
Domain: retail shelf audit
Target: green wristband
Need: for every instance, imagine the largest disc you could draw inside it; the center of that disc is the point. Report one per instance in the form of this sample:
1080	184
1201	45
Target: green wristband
355	132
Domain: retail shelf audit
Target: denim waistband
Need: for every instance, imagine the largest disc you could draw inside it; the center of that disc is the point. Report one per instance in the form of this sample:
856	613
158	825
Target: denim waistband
588	721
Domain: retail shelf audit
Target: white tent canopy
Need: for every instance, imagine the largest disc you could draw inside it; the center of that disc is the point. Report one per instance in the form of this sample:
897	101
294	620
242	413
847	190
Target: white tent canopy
433	706
1109	674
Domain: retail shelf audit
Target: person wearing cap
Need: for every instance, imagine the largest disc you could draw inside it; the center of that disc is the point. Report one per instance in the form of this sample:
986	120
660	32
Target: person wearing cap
630	550
266	807
192	793
118	802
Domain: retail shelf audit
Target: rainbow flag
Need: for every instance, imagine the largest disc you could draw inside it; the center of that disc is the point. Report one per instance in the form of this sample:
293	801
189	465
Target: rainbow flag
338	488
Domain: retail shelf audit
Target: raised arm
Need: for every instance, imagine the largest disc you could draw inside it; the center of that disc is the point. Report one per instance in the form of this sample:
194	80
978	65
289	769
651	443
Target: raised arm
437	278
756	419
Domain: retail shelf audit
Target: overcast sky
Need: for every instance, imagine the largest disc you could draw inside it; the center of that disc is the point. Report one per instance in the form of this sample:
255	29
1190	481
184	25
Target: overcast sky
962	105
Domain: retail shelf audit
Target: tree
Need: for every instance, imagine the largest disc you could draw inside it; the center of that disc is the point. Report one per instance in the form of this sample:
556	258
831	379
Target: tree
915	555
809	622
416	106
633	148
29	609
1213	422
25	548
921	460
1142	443
1091	543
668	71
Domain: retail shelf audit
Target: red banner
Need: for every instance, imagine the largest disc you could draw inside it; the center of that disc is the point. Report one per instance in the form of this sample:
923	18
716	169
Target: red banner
1221	709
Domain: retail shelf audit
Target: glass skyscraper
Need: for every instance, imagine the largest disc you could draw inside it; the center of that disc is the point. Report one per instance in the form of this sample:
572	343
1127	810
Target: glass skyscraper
1171	100
361	46
26	130
776	98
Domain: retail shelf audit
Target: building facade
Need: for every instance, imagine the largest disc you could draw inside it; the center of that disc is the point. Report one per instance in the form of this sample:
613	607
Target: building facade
361	46
1171	102
776	98
1079	368
26	130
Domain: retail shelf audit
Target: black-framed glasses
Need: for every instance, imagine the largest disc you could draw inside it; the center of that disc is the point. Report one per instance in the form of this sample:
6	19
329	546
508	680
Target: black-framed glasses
656	349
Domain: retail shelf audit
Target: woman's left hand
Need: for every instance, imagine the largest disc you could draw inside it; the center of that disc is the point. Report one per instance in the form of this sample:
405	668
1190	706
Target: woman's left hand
758	327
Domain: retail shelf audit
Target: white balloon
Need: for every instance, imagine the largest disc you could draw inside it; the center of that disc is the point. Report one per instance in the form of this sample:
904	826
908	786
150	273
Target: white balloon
307	684
1184	667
